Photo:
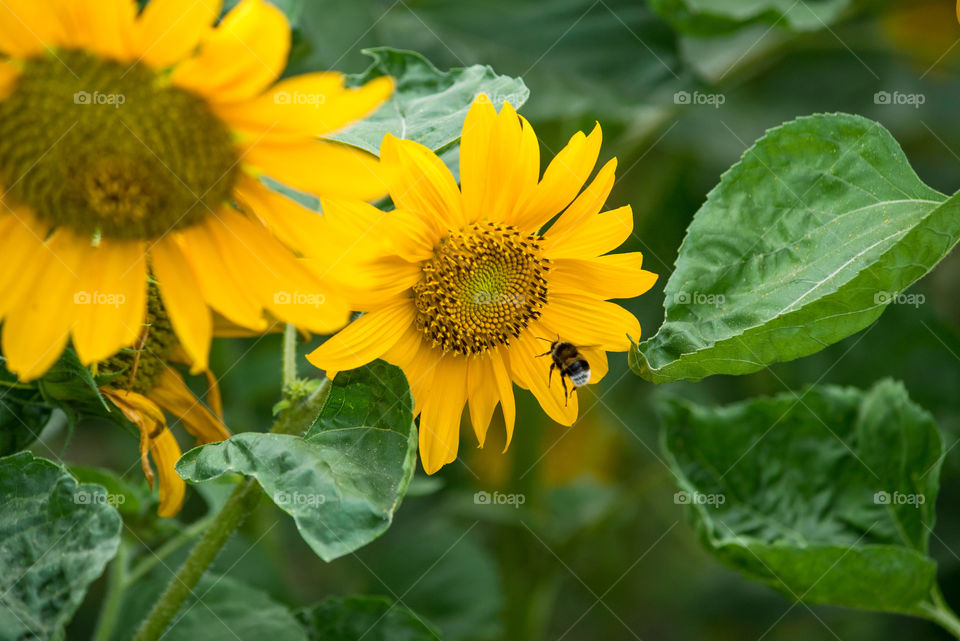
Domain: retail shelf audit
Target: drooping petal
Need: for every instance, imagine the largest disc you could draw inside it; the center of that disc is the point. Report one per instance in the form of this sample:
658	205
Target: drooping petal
610	276
584	320
365	339
533	373
501	376
168	31
596	236
482	395
241	57
172	394
183	300
421	183
166	453
440	417
111	299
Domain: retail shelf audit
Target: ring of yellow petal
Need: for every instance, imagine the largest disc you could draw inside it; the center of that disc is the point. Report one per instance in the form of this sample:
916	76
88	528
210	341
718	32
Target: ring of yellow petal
481	288
102	147
138	369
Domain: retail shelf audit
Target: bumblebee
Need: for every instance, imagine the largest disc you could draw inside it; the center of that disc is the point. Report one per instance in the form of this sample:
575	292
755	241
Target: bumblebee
571	364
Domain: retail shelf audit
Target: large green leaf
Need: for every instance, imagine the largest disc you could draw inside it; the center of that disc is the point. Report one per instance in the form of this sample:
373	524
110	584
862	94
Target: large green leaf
707	17
345	479
369	618
22	413
804	242
429	105
56	536
827	496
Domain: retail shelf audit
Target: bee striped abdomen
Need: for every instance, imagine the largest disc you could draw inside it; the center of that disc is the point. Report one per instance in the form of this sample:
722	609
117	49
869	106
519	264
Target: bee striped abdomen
579	372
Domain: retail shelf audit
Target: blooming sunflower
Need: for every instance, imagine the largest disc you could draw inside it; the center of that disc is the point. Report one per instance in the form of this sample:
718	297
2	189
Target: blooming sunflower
142	385
132	143
458	284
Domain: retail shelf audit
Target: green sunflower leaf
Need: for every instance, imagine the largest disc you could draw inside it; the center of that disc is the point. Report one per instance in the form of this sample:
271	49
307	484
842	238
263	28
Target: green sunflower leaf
363	617
57	537
429	105
341	482
805	241
827	495
708	17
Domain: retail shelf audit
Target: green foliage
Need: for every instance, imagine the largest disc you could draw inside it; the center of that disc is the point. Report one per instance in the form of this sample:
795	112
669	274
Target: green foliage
22	413
57	537
342	481
372	618
805	241
827	496
707	17
429	105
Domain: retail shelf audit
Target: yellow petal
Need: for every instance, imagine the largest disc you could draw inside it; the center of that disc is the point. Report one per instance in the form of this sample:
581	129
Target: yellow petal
241	57
513	166
172	394
312	104
475	181
101	26
562	180
501	376
610	276
371	285
219	285
8	78
421	183
166	453
296	226
440	418
27	27
111	300
21	243
482	395
319	167
597	235
587	204
583	320
533	373
170	30
183	300
597	360
38	326
365	339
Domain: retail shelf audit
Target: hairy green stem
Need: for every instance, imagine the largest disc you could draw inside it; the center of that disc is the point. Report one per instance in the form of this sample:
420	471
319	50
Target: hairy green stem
294	420
141	569
116	582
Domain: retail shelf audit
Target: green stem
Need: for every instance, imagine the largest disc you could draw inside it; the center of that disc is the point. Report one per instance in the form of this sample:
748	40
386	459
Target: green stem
141	569
293	420
116	582
289	356
941	614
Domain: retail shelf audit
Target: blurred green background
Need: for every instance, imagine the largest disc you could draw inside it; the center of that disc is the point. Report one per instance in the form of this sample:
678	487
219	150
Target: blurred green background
599	549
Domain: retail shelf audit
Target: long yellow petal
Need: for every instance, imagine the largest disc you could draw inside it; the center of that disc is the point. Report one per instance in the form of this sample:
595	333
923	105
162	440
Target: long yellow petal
241	57
110	300
168	31
296	226
102	26
183	300
476	184
311	104
166	453
596	236
513	166
421	183
610	276
172	394
501	376
533	373
440	418
584	320
28	27
38	326
482	395
365	339
587	204
21	243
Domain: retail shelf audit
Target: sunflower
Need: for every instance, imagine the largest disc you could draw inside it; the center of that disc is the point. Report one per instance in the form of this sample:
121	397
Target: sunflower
142	384
460	285
132	146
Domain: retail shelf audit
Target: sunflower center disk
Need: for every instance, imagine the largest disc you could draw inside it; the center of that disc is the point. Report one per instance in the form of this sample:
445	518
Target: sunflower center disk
481	288
139	368
102	147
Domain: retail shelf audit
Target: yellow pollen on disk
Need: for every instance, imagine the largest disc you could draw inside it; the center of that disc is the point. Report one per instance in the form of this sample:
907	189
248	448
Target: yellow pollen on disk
481	289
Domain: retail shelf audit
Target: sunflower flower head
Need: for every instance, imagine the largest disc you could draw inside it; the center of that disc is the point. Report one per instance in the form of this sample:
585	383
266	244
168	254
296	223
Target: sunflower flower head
132	144
462	285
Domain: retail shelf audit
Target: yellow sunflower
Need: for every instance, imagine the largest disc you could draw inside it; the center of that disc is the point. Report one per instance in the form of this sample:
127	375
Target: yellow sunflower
142	385
460	284
132	143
